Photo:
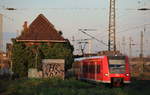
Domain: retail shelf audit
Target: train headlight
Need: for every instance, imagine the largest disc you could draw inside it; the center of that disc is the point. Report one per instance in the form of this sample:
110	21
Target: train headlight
106	75
127	74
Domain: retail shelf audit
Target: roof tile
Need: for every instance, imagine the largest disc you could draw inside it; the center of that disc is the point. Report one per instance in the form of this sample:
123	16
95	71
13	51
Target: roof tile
41	29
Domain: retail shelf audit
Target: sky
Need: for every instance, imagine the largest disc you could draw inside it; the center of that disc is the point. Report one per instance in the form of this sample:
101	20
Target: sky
71	15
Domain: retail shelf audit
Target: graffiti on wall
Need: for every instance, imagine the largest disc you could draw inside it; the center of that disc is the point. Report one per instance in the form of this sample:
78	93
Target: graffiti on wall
53	69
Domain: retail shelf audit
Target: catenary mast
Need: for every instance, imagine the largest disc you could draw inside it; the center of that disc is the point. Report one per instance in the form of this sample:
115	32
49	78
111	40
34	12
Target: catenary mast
112	27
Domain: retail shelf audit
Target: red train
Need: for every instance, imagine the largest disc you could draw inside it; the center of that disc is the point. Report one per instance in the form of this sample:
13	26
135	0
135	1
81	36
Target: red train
105	69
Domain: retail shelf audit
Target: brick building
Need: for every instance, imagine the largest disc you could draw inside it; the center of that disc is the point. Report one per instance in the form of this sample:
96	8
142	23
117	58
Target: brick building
40	30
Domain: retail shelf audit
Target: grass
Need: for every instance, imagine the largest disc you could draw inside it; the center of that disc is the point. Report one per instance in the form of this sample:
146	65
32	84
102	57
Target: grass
69	87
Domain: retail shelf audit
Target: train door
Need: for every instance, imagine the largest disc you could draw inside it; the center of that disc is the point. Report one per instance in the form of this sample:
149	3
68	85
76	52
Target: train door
92	70
80	68
98	70
88	69
84	70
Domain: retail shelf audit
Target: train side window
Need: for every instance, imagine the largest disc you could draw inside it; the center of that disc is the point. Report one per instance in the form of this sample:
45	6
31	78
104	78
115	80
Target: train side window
98	68
85	68
92	69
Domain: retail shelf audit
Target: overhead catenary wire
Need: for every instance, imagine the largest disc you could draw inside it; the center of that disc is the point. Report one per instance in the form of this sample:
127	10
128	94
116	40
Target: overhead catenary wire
128	29
94	38
123	31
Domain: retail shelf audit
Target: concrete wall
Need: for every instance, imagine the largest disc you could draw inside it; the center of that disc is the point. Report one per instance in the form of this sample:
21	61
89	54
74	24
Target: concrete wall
34	73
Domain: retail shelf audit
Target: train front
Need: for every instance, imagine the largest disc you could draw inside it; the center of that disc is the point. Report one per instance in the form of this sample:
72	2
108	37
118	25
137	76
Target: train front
118	70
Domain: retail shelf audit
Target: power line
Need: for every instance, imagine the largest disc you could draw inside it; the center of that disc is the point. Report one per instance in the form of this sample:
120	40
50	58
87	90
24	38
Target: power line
93	37
20	9
128	29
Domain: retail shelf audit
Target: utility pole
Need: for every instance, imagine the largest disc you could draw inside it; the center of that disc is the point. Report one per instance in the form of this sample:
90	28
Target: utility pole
130	47
90	46
123	45
141	51
141	45
112	27
1	32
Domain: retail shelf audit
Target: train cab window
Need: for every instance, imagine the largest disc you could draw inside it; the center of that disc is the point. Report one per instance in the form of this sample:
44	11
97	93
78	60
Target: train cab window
117	64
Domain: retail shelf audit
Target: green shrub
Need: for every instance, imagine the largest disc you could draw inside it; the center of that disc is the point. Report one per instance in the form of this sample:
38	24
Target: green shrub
25	57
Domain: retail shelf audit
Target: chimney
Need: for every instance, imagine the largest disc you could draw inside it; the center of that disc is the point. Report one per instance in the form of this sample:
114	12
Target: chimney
25	26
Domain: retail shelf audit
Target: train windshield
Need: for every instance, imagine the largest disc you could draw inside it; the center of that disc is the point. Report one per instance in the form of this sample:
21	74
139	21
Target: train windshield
117	64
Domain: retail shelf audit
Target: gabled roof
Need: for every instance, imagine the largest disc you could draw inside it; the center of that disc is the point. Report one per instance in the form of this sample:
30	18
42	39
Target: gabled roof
41	30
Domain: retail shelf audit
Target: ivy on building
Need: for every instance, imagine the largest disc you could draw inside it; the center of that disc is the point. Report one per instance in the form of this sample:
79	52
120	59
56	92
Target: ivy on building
25	57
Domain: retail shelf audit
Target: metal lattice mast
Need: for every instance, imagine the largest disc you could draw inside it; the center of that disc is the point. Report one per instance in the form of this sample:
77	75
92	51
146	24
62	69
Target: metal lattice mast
112	25
1	32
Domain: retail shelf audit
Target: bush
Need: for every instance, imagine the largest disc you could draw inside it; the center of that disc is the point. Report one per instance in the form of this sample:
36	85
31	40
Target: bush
25	57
